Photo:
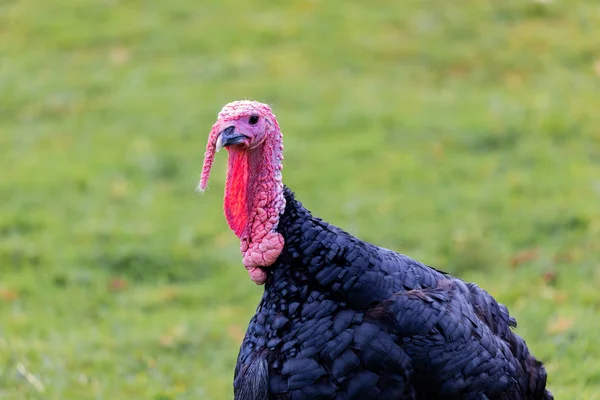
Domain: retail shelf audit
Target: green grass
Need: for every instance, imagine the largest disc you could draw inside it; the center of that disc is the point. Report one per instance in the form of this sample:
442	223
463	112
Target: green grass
465	134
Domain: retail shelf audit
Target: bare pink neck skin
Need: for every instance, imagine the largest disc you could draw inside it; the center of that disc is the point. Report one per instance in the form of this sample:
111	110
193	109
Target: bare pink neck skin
253	203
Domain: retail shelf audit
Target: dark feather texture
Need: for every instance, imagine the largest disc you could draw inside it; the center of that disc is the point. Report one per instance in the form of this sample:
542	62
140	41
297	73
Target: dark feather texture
344	319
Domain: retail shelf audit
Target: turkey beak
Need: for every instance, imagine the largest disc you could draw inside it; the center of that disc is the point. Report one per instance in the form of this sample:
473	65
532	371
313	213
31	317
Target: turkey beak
229	137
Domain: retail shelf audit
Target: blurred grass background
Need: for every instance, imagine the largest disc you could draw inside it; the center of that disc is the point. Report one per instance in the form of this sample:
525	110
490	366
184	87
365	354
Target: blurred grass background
465	134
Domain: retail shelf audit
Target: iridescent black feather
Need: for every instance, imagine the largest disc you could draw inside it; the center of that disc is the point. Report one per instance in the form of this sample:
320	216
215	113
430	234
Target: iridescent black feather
344	319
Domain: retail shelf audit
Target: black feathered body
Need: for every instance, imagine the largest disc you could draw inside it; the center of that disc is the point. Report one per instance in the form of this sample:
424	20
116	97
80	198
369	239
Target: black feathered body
343	319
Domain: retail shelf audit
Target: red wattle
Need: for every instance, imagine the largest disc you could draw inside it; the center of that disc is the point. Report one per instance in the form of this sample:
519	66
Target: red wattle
236	191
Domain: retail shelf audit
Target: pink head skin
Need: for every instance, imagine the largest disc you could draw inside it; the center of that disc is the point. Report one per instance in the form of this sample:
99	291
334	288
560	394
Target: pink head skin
254	189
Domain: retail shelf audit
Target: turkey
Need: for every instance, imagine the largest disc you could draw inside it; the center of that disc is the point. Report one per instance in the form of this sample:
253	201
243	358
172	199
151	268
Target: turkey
344	319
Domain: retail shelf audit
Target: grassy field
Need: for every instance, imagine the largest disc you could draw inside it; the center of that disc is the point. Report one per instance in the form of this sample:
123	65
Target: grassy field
463	133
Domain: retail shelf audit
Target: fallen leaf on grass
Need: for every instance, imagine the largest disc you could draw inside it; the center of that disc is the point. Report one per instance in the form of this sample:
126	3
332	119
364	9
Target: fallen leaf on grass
561	297
150	362
169	294
560	325
117	285
166	341
119	55
8	294
524	257
550	277
567	256
175	334
597	67
513	79
118	189
438	150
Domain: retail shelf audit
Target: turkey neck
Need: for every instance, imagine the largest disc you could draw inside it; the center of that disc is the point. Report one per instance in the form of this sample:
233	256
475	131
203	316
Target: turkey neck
317	258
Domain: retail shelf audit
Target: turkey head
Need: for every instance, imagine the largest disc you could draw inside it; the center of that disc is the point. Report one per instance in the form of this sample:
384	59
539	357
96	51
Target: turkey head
253	190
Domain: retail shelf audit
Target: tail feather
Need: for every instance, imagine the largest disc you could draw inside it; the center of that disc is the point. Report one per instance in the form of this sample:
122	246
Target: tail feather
534	370
252	380
537	379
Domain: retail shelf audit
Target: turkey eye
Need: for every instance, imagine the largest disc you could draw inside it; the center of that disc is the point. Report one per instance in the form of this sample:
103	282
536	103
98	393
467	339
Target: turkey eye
253	119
